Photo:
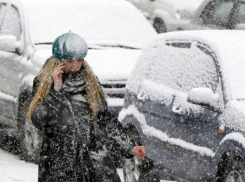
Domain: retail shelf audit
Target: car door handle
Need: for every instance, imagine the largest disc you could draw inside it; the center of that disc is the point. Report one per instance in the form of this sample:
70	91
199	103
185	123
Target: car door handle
177	110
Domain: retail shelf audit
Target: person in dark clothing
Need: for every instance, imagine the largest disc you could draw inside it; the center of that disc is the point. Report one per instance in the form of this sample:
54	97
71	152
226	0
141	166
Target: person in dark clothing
70	108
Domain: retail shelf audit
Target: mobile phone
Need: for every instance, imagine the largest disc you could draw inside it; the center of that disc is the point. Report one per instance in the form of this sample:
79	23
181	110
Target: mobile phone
59	61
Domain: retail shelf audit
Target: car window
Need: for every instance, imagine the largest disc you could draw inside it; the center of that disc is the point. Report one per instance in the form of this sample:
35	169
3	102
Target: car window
207	13
222	13
217	13
11	24
2	13
241	14
183	67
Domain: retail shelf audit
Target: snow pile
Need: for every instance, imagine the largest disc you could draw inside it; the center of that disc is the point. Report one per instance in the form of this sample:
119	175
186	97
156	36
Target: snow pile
238	137
204	96
153	132
9	43
8	97
112	102
28	80
155	92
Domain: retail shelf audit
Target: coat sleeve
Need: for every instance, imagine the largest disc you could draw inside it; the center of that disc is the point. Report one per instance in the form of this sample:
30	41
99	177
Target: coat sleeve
48	114
116	137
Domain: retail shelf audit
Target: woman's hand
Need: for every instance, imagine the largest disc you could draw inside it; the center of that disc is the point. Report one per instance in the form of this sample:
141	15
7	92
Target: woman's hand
57	75
139	151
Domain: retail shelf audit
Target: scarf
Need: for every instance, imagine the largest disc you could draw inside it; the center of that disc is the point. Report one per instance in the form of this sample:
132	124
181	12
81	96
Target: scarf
74	85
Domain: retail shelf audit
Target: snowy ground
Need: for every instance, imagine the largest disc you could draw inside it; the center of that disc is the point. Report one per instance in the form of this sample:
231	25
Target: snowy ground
12	169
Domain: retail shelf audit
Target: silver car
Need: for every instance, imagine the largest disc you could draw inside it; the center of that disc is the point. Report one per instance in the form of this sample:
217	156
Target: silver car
114	30
219	14
166	15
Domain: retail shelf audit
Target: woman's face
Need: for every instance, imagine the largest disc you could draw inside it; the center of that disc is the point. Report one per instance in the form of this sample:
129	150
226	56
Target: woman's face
72	66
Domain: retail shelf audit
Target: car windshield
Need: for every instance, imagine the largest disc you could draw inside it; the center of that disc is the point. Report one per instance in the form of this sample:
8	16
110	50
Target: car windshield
106	22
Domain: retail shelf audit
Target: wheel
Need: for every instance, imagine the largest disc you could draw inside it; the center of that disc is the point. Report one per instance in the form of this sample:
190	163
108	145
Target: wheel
131	170
135	169
29	137
159	25
233	170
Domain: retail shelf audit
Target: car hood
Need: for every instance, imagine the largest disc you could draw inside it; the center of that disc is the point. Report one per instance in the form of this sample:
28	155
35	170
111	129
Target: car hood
107	64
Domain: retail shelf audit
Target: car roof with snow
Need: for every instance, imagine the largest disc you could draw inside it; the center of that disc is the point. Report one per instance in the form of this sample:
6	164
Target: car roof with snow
228	47
99	22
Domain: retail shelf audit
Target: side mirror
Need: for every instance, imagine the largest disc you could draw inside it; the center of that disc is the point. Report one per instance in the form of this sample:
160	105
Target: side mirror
9	43
204	97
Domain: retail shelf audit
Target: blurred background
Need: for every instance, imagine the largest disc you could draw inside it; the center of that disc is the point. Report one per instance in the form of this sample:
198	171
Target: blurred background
176	15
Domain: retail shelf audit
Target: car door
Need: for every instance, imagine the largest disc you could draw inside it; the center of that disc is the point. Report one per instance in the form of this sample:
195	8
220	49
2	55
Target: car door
176	127
216	15
11	70
197	126
161	89
155	99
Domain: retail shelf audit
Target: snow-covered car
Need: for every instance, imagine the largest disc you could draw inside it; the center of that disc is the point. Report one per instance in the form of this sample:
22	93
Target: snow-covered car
167	15
114	30
219	14
185	102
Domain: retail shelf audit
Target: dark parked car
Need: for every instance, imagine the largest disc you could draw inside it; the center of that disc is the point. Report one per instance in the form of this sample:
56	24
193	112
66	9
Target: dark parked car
185	103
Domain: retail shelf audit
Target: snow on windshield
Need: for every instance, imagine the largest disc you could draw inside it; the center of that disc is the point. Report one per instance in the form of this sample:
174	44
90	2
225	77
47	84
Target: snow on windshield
96	21
176	68
226	45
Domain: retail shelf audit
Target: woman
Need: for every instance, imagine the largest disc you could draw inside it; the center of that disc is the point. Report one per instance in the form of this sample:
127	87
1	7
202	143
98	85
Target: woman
70	108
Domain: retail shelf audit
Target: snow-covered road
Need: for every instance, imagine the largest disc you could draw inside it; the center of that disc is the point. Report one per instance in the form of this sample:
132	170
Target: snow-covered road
12	169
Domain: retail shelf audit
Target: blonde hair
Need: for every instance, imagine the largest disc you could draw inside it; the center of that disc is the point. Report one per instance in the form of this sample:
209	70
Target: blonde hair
93	89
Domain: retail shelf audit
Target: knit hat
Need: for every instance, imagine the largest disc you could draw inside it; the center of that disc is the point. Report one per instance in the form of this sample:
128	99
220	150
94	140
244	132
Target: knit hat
69	46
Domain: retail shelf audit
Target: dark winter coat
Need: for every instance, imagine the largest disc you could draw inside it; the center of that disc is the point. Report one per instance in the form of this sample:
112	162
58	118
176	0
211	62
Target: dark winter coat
69	137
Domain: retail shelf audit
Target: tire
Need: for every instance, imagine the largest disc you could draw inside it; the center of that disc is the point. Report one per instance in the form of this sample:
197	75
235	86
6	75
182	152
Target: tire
136	170
29	137
159	25
233	170
131	169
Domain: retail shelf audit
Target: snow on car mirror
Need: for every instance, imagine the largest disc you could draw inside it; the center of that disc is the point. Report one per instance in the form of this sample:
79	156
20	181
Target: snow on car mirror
205	97
9	43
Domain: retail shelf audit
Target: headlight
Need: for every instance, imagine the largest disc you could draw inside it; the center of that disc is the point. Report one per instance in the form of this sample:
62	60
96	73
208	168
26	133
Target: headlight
177	16
183	14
